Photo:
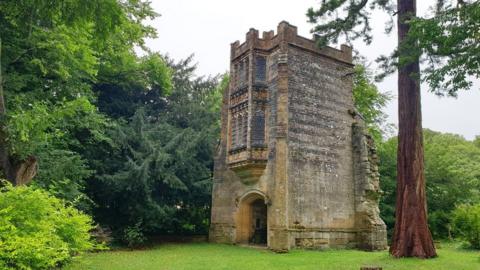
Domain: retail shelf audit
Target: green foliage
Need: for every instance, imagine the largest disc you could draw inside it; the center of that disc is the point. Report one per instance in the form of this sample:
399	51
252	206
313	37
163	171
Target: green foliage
449	39
63	173
387	152
43	123
132	83
37	231
466	223
452	172
158	175
56	134
354	23
77	93
55	57
369	101
476	142
133	236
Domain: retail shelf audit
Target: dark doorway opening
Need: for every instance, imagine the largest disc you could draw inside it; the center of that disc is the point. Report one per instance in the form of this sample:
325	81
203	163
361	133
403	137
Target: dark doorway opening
259	223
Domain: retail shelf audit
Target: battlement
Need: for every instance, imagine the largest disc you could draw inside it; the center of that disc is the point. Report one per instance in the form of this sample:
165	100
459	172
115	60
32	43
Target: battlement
287	34
293	167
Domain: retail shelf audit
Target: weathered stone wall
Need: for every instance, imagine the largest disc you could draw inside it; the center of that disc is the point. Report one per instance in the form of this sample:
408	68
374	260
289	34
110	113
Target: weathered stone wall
222	229
372	233
321	183
316	171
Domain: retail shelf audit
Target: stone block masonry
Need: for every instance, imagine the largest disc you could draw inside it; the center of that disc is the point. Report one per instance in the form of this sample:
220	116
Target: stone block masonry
290	142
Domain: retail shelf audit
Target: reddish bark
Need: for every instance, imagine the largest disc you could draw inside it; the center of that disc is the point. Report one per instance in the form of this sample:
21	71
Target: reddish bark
411	237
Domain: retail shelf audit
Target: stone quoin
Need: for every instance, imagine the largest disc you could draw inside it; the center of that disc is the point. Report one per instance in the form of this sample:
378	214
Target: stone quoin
294	166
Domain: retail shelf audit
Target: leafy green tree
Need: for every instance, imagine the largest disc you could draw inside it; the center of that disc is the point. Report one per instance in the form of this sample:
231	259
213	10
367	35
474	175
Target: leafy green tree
76	92
133	83
387	152
56	136
452	170
369	101
51	52
466	223
449	41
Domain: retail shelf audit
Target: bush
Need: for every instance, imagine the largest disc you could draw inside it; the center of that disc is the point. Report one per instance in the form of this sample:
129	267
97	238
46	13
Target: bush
38	231
133	236
466	223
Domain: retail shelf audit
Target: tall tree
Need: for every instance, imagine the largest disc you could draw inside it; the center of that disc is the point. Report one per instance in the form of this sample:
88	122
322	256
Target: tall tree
51	53
157	180
412	237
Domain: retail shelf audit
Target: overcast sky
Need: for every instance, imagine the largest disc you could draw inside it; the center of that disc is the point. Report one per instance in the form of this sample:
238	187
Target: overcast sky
206	28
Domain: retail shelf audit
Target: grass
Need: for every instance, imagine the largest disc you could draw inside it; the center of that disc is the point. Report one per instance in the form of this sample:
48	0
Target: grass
216	256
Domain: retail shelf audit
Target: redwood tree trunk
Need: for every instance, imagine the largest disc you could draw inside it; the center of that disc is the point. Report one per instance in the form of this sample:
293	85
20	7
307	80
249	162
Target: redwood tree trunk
411	237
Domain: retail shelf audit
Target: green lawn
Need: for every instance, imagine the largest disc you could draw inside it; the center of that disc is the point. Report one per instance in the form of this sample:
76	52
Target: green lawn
215	256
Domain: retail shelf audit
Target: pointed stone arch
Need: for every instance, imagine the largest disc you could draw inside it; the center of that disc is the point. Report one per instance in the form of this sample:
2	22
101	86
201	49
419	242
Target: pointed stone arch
251	218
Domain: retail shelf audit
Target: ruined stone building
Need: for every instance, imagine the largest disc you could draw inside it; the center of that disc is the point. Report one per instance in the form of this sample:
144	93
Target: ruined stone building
294	167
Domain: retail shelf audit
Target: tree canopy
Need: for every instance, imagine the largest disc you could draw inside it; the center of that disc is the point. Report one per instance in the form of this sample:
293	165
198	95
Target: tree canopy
452	171
446	40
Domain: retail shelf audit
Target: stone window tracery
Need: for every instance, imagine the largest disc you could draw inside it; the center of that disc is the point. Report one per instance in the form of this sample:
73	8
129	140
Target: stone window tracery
242	72
244	129
234	131
258	128
239	130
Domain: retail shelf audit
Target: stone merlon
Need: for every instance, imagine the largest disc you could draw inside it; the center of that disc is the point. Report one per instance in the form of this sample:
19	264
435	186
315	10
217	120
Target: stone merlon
287	33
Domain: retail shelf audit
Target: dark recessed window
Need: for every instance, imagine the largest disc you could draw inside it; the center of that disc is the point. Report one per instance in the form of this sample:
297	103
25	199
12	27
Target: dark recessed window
260	68
244	129
243	72
258	128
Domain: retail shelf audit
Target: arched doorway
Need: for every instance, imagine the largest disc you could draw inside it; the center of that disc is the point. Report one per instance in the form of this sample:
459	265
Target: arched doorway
252	219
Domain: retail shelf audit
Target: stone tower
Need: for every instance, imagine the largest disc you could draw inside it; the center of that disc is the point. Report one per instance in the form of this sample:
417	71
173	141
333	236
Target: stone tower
294	167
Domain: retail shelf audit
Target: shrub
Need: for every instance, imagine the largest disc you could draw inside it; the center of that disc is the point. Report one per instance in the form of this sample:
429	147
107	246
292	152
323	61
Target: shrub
38	231
133	236
466	223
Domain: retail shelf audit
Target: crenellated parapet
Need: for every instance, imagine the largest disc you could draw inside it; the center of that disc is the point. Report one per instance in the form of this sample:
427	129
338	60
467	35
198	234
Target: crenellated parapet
286	33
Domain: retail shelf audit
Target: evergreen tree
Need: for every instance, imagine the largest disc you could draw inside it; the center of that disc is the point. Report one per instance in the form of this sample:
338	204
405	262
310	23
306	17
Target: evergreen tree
158	177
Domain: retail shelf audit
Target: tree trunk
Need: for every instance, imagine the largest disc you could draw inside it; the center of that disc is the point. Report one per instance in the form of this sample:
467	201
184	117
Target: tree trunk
411	237
4	157
18	172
